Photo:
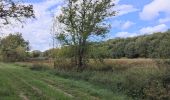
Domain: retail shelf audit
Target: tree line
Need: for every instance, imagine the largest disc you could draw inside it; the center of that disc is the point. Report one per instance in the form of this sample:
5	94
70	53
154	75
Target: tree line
156	45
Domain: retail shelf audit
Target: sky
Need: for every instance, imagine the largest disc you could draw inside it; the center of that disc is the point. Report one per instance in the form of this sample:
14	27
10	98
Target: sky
135	17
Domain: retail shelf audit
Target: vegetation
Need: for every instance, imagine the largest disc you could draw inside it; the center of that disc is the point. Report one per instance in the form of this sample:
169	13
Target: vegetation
147	46
20	83
133	68
13	48
36	53
10	9
156	45
132	79
79	21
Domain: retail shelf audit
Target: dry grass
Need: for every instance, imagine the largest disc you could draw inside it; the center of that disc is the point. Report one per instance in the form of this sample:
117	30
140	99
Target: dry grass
121	64
106	65
47	63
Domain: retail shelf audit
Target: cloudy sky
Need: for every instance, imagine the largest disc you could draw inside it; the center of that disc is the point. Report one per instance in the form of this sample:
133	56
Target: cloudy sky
135	17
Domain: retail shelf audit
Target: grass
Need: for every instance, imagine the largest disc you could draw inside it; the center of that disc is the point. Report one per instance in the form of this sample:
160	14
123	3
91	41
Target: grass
119	79
21	83
137	78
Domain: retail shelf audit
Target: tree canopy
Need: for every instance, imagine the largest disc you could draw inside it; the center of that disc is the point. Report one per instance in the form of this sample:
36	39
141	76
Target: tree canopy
13	48
147	46
156	45
81	19
17	11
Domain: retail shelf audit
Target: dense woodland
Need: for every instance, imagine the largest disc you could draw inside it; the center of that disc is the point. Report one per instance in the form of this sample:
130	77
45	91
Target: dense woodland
156	45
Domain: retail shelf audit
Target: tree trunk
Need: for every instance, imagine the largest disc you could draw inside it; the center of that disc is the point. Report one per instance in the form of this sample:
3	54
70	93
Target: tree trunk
81	51
80	63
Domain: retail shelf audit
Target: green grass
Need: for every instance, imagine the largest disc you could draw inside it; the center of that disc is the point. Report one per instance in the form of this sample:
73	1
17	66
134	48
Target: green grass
137	78
21	83
124	79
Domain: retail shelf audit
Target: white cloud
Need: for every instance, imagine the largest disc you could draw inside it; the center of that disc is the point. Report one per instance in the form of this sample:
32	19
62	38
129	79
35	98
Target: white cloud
123	25
153	9
116	23
164	20
125	34
150	30
38	31
116	1
145	30
127	25
125	9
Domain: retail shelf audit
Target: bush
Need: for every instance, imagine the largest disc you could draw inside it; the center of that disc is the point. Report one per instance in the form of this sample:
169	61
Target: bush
155	90
63	64
39	67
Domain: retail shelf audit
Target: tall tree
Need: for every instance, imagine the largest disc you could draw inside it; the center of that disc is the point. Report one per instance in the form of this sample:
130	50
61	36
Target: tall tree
81	19
13	48
10	9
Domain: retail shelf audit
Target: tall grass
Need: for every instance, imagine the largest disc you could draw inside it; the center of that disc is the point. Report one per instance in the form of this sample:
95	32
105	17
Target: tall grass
146	79
137	78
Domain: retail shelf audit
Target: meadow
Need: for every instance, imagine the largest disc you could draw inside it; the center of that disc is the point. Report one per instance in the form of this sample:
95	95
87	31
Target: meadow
118	79
24	84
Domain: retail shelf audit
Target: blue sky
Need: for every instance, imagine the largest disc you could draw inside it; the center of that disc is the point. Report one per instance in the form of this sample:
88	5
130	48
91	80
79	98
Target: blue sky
135	17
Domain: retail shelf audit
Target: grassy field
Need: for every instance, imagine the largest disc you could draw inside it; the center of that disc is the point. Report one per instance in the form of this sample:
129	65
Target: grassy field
21	83
118	79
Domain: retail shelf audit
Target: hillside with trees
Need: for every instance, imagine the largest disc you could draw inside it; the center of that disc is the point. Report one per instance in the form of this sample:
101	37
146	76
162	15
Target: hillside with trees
155	45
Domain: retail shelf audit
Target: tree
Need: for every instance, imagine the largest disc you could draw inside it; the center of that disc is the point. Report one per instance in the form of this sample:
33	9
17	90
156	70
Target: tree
164	48
141	46
118	49
79	20
36	53
130	50
13	48
10	9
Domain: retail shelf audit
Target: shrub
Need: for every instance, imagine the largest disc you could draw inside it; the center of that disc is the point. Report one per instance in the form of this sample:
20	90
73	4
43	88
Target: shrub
39	67
157	89
63	64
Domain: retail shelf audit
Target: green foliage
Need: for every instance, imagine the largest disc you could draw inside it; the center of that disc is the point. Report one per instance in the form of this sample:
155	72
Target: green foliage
79	21
39	67
97	51
36	54
130	51
156	45
17	11
14	48
147	81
